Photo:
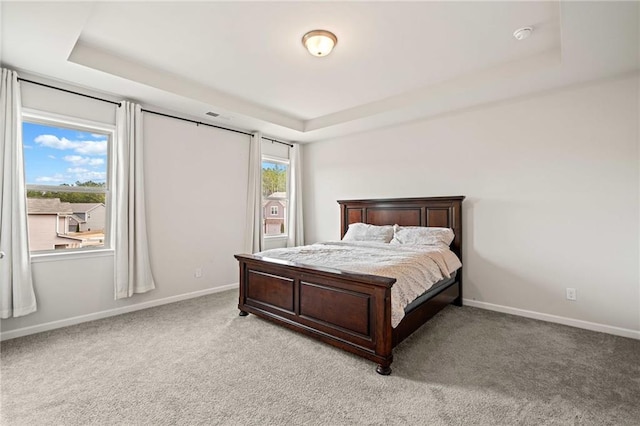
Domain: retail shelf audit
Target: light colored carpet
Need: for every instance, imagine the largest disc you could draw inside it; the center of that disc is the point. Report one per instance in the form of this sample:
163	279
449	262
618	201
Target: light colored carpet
197	362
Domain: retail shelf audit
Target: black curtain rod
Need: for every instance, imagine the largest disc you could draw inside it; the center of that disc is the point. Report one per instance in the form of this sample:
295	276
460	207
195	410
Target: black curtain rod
146	110
277	141
213	125
69	91
196	122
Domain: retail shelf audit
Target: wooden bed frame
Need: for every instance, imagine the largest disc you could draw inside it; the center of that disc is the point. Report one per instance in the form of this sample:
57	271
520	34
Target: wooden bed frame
349	310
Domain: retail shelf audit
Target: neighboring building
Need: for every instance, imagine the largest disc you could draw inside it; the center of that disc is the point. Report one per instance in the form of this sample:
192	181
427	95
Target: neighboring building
274	213
56	225
92	216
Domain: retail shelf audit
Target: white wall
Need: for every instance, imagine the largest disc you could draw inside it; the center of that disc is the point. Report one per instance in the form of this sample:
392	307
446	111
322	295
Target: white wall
552	184
197	192
196	180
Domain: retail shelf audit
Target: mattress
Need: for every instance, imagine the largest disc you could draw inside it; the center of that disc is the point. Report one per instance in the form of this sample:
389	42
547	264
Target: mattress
435	288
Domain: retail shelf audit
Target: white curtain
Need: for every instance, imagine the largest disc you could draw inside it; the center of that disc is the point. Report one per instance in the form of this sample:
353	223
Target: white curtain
17	297
132	266
253	229
295	225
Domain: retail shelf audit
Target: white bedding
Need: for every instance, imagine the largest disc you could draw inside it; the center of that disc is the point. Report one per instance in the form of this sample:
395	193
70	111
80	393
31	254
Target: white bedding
415	267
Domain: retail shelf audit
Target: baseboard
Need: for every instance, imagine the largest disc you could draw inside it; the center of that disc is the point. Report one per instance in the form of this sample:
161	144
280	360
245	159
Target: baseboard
12	334
618	331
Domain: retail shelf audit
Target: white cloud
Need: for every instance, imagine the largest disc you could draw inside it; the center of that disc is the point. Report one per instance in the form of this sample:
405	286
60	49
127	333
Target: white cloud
55	142
98	136
77	170
28	146
75	159
94	176
53	157
92	148
73	174
81	147
50	179
78	160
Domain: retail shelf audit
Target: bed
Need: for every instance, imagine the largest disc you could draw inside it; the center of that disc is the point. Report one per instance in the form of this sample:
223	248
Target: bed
348	310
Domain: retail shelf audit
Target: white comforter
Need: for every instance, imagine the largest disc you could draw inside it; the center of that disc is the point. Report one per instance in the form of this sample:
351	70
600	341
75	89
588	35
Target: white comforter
416	268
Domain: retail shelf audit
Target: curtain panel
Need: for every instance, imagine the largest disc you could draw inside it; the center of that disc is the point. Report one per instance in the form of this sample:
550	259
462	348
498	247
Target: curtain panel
132	265
296	225
17	297
253	228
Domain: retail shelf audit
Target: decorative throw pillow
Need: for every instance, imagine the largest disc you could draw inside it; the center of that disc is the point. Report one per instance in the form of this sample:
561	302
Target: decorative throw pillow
422	235
364	232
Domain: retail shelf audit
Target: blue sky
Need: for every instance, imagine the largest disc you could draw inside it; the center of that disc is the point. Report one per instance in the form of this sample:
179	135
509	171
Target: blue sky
55	155
271	165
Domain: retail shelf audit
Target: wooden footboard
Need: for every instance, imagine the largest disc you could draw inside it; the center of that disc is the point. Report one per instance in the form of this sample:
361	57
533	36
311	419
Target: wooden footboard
347	310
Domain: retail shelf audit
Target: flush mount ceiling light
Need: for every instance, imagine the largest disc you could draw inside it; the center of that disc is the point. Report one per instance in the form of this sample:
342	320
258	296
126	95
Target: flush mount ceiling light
319	42
522	33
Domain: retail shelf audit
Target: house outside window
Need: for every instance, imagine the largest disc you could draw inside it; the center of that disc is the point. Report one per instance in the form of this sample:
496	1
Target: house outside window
67	173
275	196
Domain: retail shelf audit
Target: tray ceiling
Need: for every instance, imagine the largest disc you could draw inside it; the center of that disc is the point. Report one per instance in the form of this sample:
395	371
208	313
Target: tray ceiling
394	62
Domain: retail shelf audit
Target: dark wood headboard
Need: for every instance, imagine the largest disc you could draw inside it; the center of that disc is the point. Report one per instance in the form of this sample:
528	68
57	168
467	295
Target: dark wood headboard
442	212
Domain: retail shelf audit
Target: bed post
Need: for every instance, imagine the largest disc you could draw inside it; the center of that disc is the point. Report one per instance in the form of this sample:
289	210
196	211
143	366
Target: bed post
241	298
458	300
457	222
384	333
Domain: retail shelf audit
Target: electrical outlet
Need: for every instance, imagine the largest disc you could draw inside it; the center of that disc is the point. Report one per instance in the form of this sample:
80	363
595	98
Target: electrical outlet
571	294
198	273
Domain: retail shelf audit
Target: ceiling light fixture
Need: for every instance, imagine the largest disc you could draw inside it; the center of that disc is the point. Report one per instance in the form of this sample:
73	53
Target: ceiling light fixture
319	42
522	33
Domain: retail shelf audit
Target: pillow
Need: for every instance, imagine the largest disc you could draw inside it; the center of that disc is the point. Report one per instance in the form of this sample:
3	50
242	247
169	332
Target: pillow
364	232
422	235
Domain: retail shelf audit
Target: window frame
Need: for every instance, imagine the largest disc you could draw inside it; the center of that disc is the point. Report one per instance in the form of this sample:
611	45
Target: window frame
286	162
68	122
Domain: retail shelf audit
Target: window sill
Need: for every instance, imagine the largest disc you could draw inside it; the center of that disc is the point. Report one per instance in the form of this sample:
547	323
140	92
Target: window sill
275	237
64	256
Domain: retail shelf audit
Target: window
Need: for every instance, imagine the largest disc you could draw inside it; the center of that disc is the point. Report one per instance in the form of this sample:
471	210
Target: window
275	198
67	168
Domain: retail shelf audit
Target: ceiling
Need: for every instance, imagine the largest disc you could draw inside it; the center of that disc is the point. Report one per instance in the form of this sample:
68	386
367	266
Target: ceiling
394	61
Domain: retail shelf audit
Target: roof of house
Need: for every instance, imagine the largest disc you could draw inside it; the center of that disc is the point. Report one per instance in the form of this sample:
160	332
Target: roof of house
55	206
48	206
277	195
78	219
84	207
267	201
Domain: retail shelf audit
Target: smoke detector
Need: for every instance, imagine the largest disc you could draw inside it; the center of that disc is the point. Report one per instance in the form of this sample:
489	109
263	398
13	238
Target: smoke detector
522	33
